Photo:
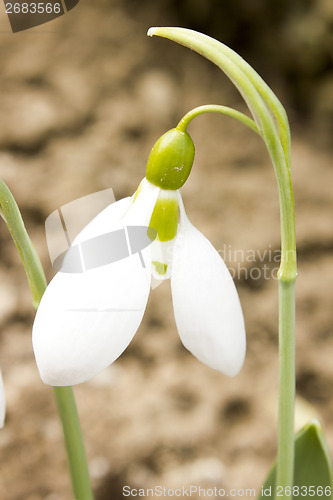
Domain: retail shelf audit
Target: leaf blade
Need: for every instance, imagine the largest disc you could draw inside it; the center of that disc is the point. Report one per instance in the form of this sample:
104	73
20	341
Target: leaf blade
312	465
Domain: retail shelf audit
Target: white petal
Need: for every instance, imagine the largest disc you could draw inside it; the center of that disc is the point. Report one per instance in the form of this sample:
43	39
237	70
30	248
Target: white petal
105	221
207	309
86	320
2	403
142	207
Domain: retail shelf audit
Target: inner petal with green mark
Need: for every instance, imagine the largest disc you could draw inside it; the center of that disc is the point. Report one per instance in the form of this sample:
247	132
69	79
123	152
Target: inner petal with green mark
165	222
165	215
160	268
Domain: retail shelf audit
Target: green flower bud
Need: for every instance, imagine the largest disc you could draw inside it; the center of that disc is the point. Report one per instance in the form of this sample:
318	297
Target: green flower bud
171	159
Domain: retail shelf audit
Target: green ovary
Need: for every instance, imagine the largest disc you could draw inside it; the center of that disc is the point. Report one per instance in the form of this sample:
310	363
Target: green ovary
171	159
165	219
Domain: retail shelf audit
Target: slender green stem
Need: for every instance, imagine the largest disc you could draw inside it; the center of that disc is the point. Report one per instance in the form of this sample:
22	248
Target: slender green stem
74	444
33	268
271	119
285	457
64	395
214	108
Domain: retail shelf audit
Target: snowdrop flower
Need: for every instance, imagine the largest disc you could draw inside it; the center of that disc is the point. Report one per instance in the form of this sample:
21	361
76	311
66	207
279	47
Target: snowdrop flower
86	320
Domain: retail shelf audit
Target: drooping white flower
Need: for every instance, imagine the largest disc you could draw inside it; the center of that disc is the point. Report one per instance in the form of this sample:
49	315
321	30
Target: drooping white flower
87	319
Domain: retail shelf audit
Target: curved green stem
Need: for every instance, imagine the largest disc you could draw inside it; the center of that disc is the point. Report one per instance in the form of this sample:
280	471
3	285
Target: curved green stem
64	395
214	108
271	119
33	268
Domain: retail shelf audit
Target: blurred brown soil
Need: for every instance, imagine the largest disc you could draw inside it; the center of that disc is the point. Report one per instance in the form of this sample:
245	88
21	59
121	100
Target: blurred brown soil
83	100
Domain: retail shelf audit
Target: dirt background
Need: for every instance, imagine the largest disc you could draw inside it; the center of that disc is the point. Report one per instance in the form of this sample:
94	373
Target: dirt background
83	99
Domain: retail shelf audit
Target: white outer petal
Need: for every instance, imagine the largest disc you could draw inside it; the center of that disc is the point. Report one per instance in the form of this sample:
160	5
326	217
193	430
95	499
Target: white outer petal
141	210
207	310
2	403
105	221
86	320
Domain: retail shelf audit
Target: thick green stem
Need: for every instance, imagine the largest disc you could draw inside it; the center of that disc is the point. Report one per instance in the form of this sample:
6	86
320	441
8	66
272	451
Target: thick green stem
267	112
285	456
64	395
271	119
287	275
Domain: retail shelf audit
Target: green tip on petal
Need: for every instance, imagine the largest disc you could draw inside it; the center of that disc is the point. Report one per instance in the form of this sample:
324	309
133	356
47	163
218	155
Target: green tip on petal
160	268
164	219
171	159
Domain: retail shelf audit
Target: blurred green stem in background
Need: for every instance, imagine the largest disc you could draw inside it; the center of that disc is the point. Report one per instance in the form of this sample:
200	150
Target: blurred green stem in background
272	124
64	395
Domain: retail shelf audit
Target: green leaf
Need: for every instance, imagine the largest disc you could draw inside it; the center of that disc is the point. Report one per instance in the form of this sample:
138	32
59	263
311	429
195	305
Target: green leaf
313	470
10	212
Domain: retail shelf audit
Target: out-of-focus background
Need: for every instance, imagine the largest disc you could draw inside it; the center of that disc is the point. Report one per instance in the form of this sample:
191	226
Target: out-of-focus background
83	99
